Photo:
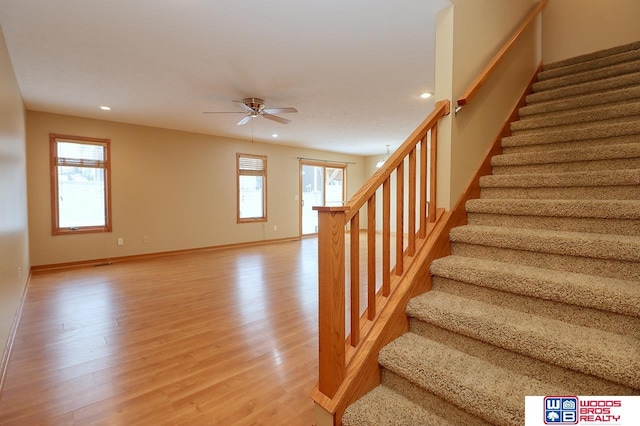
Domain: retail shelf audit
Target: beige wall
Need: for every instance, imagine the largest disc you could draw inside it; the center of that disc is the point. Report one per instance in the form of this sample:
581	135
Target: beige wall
14	239
177	188
444	91
468	35
576	27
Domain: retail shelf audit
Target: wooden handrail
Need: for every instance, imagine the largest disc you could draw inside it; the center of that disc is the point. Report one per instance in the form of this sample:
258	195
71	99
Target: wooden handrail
484	75
377	179
336	224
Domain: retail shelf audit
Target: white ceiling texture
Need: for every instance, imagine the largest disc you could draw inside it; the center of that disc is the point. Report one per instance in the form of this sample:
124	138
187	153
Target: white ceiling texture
354	69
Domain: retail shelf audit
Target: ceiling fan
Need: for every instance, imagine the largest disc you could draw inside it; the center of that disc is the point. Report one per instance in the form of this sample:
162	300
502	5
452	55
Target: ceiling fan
254	107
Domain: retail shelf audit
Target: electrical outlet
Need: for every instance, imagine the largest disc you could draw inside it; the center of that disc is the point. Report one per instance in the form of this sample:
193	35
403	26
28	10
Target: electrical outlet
120	241
19	272
145	239
275	227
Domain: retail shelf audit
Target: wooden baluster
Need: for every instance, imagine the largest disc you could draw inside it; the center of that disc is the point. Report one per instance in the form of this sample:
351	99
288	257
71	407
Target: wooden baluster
423	186
386	237
400	219
412	203
331	247
371	257
355	279
331	293
433	172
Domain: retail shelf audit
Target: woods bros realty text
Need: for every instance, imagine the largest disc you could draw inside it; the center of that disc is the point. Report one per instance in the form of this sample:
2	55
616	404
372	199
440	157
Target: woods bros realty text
599	410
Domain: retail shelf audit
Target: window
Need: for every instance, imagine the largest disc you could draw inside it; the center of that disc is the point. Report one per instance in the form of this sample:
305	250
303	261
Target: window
80	193
252	188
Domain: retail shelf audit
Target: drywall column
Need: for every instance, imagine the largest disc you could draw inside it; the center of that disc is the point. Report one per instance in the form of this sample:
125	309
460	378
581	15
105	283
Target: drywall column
469	33
444	91
575	27
14	236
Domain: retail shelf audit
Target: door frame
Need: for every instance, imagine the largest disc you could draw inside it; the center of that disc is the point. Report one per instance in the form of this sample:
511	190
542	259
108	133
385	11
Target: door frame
324	165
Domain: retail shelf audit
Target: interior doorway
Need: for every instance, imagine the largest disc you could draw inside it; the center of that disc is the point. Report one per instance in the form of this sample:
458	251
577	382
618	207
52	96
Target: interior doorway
321	184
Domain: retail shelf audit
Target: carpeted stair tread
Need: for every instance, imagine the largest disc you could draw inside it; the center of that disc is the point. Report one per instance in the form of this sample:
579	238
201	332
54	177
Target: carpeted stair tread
605	152
557	223
605	112
601	209
595	318
608	71
550	259
593	64
580	383
633	119
608	294
572	144
584	102
596	216
628	192
586	132
602	246
592	56
595	165
433	403
598	184
444	371
598	178
602	85
382	406
615	358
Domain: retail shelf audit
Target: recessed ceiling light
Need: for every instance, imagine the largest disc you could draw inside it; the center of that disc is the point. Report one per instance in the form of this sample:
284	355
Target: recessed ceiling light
426	95
105	108
275	135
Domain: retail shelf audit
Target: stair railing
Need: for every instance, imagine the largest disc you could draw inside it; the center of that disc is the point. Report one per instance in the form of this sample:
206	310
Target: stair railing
339	225
486	72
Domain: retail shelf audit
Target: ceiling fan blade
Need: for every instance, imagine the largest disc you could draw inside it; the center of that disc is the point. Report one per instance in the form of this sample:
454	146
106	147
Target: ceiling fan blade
279	110
244	106
244	120
223	112
276	118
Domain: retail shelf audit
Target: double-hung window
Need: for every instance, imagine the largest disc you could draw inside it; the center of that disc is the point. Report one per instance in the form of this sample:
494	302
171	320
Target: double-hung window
252	188
80	190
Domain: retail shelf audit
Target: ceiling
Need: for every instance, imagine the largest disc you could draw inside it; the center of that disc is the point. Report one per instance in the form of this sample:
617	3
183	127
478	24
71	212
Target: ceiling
354	69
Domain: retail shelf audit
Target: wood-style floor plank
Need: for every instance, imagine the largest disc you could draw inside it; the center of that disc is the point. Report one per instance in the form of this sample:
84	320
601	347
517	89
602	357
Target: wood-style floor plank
213	338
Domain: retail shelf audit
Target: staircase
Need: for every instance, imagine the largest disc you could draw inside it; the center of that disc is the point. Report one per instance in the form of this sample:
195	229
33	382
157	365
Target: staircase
541	295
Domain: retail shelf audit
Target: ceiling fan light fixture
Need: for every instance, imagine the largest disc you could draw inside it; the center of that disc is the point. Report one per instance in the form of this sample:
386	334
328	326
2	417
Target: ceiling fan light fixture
255	104
255	107
381	162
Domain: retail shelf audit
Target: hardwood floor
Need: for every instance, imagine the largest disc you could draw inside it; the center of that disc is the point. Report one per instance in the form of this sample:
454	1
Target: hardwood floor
212	338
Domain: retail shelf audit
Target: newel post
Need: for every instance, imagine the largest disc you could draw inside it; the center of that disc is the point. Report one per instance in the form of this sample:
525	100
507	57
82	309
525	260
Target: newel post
331	295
